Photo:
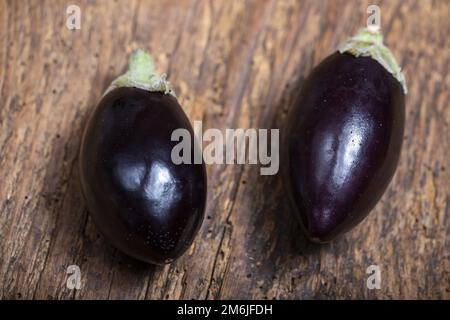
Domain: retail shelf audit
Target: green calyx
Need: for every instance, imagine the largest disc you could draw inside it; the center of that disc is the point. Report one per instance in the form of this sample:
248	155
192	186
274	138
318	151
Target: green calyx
368	42
141	74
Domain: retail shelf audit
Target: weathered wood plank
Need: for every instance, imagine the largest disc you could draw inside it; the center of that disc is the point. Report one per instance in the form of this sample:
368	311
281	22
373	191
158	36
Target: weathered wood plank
233	64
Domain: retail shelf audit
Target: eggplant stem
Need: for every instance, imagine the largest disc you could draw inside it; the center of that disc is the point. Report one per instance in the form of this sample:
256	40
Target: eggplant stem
141	74
368	42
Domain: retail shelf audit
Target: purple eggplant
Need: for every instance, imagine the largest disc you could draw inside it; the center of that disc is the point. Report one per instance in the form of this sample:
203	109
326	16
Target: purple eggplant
343	136
143	203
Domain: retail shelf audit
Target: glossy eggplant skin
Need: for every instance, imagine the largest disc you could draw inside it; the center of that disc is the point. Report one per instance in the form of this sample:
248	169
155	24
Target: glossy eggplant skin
343	139
144	204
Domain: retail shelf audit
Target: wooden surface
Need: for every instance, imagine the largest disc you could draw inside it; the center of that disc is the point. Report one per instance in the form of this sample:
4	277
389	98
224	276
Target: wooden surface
233	64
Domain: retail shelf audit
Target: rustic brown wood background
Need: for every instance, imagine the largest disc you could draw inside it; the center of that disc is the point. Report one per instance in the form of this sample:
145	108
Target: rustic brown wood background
233	64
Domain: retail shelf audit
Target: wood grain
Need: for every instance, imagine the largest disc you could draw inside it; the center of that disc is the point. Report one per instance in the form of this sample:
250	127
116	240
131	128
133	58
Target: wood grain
233	64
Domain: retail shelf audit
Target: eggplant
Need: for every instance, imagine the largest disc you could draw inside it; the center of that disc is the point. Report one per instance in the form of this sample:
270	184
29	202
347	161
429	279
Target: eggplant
144	204
343	136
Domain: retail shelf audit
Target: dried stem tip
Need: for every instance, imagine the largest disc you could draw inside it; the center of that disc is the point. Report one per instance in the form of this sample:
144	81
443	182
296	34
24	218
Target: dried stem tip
369	43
